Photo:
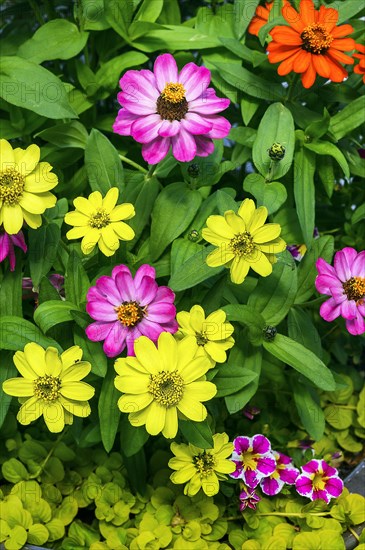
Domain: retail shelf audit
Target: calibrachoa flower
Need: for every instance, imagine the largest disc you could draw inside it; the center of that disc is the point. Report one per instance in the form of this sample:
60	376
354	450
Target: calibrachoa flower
262	16
249	498
7	243
254	459
312	44
297	251
243	241
24	187
163	383
360	67
319	480
345	283
125	308
167	108
50	385
201	468
210	336
99	222
285	472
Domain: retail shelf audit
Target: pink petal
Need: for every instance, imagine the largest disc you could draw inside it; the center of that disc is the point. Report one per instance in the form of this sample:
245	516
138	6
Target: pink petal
145	270
171	326
238	471
195	80
19	241
204	146
140	82
101	311
221	127
165	70
271	486
107	287
321	494
120	269
334	486
348	309
183	146
266	466
251	479
93	295
12	258
5	243
324	268
156	150
283	459
98	331
304	486
338	294
356	326
358	267
328	470
169	129
137	105
145	129
260	444
330	310
208	103
131	337
125	285
147	291
241	444
114	343
289	475
164	294
312	466
123	122
151	329
161	312
343	263
324	283
195	124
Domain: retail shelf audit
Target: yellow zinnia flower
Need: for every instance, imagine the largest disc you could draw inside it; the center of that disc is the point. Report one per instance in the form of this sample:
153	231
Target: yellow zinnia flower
98	221
50	385
202	468
243	241
24	187
210	336
163	383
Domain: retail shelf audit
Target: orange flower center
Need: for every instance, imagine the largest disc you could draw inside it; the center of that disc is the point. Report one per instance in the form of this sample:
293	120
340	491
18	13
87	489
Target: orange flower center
172	104
355	289
316	39
130	313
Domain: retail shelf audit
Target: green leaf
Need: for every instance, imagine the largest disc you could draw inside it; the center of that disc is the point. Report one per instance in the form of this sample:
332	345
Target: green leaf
249	106
244	12
149	11
270	194
273	296
42	250
52	313
56	39
142	193
307	272
327	148
137	471
108	75
69	134
174	37
348	10
302	330
103	165
318	128
231	378
225	202
302	360
309	409
76	280
194	270
32	87
359	214
210	168
304	192
197	433
16	332
14	471
343	122
91	351
109	413
11	293
7	371
248	317
119	16
174	210
276	126
37	534
251	360
132	438
327	174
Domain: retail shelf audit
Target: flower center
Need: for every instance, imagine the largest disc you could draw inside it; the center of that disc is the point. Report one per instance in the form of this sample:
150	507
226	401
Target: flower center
319	482
204	463
316	39
242	244
167	388
355	289
201	340
47	387
100	219
130	313
11	186
172	104
249	459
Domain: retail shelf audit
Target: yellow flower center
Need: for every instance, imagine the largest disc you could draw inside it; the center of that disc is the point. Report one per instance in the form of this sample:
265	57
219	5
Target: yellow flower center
355	289
204	463
316	39
171	104
47	387
242	244
167	388
201	339
11	186
319	482
99	219
249	459
130	313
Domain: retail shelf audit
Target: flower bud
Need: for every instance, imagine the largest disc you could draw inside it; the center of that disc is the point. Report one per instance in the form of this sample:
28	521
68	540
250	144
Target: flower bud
193	170
269	333
276	151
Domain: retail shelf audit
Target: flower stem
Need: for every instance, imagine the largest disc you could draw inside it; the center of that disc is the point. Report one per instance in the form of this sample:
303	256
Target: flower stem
292	86
294	514
151	171
134	164
354	534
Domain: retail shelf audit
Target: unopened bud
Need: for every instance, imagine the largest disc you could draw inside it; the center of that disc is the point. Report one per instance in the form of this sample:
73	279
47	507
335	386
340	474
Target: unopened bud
193	170
276	151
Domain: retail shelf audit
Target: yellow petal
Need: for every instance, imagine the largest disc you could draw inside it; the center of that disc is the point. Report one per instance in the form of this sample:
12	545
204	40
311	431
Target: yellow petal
77	408
75	372
132	383
96	200
217	317
109	237
167	351
77	232
193	370
76	218
273	247
89	241
37	204
197	318
147	354
123	211
155	420
19	387
27	160
36	357
84	205
246	211
210	484
70	356
54	417
12	218
41	179
235	222
123	231
216	351
219	256
239	269
192	409
266	233
33	220
6	155
105	249
23	366
201	390
262	266
78	391
258	219
53	362
187	349
194	485
110	199
213	238
134	403
218	225
30	411
183	474
139	418
171	424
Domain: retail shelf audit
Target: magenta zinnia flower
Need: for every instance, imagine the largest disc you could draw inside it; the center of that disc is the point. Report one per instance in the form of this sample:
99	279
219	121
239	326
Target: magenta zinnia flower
319	480
169	108
125	308
345	283
253	458
7	243
285	472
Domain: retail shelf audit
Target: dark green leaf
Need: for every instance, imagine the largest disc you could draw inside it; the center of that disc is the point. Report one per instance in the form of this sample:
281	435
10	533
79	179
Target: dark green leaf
197	433
302	330
307	272
70	134
194	270
76	280
16	332
350	117
103	165
132	438
42	250
251	360
309	409
52	313
359	214
109	413
304	192
142	193
91	351
137	471
7	371
231	378
11	292
248	317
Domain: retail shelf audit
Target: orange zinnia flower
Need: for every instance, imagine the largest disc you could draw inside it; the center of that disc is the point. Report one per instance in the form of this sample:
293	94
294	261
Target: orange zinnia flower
312	44
261	17
360	67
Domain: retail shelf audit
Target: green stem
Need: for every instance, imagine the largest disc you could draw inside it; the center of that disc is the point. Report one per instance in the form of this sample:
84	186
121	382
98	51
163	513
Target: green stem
354	534
134	164
294	514
36	11
151	171
292	86
50	453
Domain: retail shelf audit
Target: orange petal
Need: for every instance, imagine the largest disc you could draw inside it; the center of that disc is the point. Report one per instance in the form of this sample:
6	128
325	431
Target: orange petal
342	30
338	73
321	65
309	76
360	48
288	36
328	17
302	62
288	65
293	18
339	56
307	12
344	44
276	57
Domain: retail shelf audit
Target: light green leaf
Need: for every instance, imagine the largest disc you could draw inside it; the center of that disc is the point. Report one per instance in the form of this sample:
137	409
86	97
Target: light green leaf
194	270
231	378
302	330
327	148
174	37
7	370
110	72
244	12
70	134
248	317
270	194
11	292
349	117
142	193
76	280
103	165
251	360
304	192
359	214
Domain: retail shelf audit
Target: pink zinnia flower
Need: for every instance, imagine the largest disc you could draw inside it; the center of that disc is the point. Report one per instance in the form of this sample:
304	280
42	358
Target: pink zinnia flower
170	108
125	308
319	480
249	498
7	243
345	283
285	472
253	458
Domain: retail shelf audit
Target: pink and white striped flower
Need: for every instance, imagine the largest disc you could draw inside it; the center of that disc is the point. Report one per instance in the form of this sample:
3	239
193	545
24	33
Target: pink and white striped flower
7	243
125	308
285	472
167	108
254	459
319	480
345	283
